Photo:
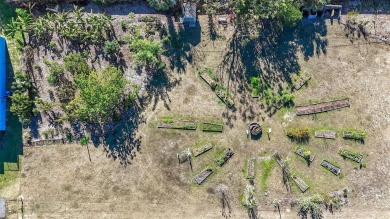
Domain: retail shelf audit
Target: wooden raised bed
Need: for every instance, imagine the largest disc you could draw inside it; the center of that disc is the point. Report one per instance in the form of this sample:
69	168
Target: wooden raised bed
322	107
305	77
225	98
358	136
251	169
278	158
301	152
203	175
208	79
202	149
211	127
300	183
351	155
332	168
181	124
227	154
325	134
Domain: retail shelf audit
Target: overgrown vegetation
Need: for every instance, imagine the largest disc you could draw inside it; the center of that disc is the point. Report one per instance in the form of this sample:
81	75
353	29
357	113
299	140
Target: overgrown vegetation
211	127
311	205
299	134
263	90
354	135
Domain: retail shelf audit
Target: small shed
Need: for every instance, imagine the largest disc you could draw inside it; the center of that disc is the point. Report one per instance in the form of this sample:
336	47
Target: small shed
2	208
189	14
3	101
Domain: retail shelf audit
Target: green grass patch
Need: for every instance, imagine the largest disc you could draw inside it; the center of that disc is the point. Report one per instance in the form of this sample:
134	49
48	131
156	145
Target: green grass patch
266	167
211	127
7	178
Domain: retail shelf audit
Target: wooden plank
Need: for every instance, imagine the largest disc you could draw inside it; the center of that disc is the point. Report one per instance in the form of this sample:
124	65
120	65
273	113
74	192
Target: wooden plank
251	169
322	107
325	134
202	149
278	158
332	168
300	183
202	176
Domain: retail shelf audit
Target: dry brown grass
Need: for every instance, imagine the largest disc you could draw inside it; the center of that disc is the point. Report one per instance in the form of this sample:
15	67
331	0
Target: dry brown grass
60	181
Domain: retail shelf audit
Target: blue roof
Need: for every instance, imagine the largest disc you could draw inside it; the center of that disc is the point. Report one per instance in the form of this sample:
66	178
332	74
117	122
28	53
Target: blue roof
3	102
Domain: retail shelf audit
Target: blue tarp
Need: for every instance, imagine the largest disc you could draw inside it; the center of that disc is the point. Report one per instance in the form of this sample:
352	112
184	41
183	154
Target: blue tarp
3	103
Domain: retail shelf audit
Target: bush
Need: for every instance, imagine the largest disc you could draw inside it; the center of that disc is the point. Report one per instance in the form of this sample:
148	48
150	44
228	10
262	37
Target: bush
56	73
162	4
22	83
43	106
21	106
111	48
76	64
299	134
146	52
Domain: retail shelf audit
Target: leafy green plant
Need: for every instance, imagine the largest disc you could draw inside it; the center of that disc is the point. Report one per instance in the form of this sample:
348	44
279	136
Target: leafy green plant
146	52
248	197
77	65
43	106
211	127
354	135
48	133
299	134
111	48
167	119
311	205
56	72
21	106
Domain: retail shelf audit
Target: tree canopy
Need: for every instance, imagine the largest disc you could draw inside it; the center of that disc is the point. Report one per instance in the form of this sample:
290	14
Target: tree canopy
99	97
162	4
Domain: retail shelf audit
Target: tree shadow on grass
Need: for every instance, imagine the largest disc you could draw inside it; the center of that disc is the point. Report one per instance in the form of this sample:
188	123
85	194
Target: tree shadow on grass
180	44
272	55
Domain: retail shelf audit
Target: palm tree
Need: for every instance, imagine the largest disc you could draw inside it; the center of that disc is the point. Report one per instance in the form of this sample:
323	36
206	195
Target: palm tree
24	22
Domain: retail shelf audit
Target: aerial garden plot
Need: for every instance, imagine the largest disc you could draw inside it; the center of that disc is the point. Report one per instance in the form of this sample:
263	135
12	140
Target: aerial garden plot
196	109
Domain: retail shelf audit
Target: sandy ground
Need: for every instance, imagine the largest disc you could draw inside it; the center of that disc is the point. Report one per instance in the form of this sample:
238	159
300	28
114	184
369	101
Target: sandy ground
61	182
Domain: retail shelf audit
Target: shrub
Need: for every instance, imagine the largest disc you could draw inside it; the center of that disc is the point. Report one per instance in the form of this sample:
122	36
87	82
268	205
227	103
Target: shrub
48	133
56	72
167	120
299	134
311	205
21	106
146	52
43	106
76	64
22	83
355	135
111	48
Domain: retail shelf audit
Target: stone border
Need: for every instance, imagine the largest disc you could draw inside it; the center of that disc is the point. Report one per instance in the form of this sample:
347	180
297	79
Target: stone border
300	183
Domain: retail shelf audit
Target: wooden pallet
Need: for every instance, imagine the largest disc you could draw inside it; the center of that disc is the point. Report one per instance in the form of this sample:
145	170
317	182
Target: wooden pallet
325	134
300	183
332	168
202	176
202	149
278	158
251	168
322	107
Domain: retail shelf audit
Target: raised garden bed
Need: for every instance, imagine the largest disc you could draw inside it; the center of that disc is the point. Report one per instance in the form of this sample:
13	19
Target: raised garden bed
278	158
227	154
354	135
211	127
351	155
225	97
325	134
209	77
203	175
179	124
305	77
322	107
251	169
202	149
332	168
301	152
300	183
